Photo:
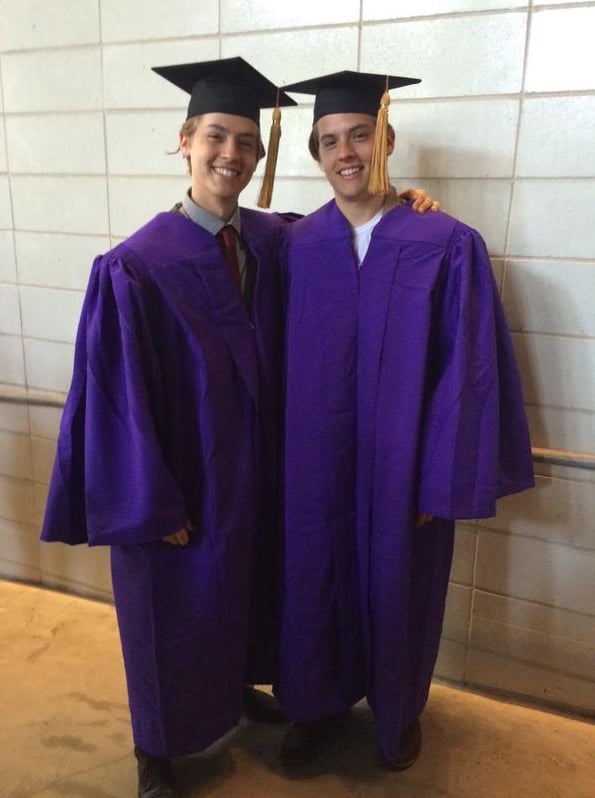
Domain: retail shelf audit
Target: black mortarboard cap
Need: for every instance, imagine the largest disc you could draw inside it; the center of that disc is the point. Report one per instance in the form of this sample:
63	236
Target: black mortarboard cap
348	92
227	86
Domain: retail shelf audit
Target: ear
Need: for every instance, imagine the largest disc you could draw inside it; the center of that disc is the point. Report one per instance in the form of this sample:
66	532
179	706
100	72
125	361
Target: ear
184	145
390	141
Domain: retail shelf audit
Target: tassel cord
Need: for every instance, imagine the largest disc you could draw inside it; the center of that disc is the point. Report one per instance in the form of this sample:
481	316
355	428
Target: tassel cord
266	190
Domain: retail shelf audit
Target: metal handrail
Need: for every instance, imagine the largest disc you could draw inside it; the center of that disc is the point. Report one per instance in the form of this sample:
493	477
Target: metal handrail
51	399
15	396
563	458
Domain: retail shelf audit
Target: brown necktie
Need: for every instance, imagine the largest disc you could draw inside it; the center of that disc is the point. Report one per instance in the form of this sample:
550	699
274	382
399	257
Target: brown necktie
227	242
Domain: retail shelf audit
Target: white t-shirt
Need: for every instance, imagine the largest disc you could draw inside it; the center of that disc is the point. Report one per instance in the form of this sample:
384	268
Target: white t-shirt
363	235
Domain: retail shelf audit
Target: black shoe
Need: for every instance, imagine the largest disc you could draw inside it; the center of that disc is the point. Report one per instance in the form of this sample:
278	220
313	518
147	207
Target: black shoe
303	742
261	706
155	776
409	748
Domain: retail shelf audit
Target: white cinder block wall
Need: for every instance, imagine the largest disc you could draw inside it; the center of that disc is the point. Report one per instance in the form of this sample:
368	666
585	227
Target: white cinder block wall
502	130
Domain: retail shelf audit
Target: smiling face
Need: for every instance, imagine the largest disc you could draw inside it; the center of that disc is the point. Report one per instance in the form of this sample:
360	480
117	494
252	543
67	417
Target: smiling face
223	152
345	144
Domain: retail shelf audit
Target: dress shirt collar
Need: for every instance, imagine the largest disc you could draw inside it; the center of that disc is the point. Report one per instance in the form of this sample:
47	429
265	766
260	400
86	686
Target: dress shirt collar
208	221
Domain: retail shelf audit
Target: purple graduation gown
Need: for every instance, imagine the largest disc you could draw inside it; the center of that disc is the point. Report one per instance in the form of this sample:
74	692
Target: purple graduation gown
172	415
402	395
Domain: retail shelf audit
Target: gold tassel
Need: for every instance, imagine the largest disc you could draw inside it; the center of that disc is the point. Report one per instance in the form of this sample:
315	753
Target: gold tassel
379	183
266	191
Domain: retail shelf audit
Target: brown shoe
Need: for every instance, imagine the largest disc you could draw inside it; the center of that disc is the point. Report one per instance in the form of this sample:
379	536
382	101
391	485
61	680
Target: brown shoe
155	776
409	748
261	706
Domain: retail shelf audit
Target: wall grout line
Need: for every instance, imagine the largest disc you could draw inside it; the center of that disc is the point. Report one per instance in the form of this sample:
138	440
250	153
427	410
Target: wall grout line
403	100
516	149
472	604
104	123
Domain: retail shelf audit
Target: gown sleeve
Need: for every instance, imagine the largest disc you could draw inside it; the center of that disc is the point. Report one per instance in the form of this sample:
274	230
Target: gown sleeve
476	445
110	484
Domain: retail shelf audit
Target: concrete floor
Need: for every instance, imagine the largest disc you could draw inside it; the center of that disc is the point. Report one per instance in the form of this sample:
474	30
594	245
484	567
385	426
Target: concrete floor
64	729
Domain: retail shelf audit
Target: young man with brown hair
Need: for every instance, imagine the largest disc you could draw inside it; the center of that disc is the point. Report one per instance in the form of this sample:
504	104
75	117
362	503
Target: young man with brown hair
403	412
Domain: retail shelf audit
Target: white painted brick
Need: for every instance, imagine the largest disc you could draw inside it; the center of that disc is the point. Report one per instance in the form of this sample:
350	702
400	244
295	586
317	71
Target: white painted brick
122	20
544	215
19	551
44	454
294	157
557	639
40	498
569	34
43	81
133	201
556	138
57	261
457	614
8	269
15	455
81	569
557	471
482	204
12	370
556	510
450	664
130	83
51	314
300	196
535	617
27	24
45	421
10	318
3	163
60	204
143	143
472	55
247	15
557	371
72	144
313	52
13	417
464	554
555	297
526	568
469	138
510	675
561	428
5	205
16	500
48	364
